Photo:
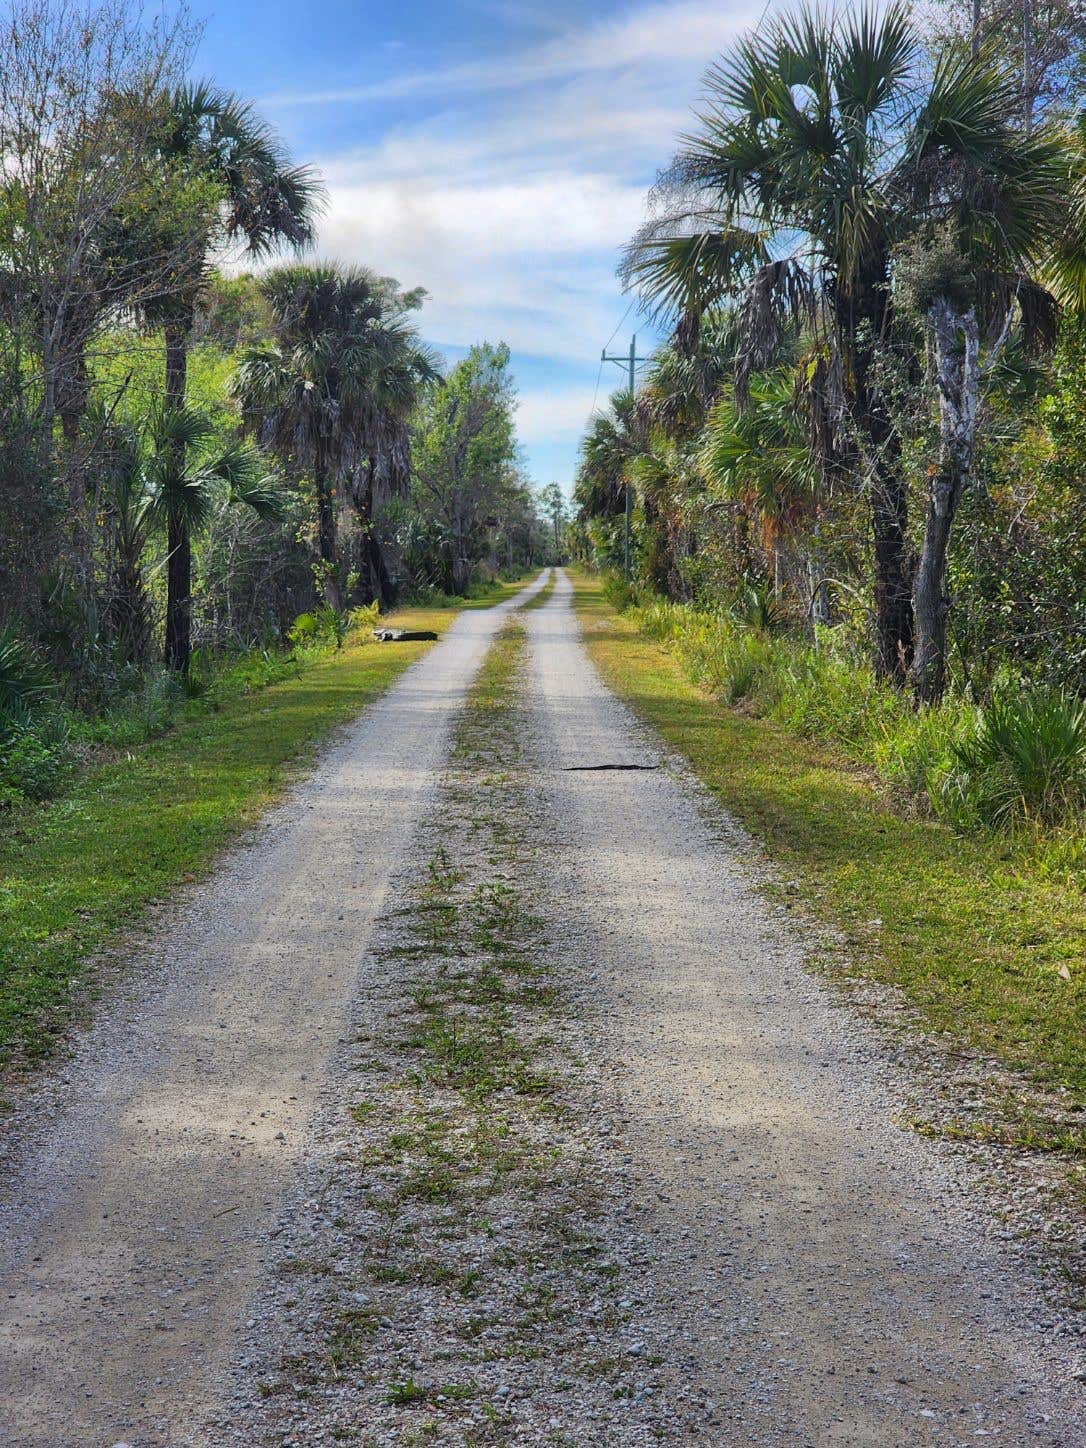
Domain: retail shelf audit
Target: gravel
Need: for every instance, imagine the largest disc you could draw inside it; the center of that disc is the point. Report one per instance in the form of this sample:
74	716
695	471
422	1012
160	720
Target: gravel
565	1143
138	1190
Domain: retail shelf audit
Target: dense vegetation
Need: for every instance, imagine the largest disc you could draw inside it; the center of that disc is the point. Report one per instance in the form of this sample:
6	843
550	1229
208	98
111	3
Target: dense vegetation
196	461
858	463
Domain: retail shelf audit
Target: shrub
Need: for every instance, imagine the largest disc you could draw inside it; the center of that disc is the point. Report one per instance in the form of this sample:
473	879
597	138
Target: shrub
25	681
147	709
619	592
35	760
304	630
1025	759
366	618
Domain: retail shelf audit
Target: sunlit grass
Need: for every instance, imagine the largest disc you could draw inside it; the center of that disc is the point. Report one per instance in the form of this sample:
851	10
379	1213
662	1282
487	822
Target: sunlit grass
76	872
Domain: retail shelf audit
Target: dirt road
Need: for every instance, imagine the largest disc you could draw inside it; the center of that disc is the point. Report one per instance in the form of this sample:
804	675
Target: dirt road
804	1269
833	1286
132	1227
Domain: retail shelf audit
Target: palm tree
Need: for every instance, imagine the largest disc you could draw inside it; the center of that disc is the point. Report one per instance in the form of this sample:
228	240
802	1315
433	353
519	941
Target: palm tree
170	477
821	146
333	393
758	455
686	382
613	439
259	199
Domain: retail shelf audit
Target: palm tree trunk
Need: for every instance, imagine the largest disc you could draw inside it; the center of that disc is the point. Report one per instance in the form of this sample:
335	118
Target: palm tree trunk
958	366
178	542
326	527
889	514
128	613
377	585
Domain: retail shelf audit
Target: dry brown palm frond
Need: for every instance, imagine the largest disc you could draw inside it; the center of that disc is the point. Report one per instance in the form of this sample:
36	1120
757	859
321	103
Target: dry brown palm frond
781	293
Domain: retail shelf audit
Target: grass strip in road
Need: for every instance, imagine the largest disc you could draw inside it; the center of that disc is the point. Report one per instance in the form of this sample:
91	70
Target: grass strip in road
988	953
76	872
540	598
472	1236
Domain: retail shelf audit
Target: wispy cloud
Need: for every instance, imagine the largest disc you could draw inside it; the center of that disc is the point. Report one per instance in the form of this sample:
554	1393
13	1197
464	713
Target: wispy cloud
511	188
659	34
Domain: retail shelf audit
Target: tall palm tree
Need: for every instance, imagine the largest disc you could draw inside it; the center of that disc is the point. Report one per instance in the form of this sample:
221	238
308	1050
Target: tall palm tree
334	391
258	199
820	147
613	439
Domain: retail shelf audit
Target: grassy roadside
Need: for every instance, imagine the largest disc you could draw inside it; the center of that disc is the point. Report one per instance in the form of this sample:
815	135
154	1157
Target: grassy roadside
75	872
990	954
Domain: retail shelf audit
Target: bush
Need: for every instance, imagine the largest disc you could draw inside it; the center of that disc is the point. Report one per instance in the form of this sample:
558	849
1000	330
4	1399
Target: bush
327	625
35	760
619	592
1023	757
1024	760
25	681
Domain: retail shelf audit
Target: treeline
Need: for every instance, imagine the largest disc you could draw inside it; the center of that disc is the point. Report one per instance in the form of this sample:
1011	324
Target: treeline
866	432
192	456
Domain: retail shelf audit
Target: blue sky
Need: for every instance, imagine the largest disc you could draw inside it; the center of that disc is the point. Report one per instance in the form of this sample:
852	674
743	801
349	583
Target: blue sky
496	152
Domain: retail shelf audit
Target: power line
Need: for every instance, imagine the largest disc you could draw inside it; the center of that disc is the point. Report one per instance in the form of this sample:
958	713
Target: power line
599	371
615	333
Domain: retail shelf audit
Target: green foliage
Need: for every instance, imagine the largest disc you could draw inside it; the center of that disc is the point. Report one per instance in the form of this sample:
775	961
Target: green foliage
1024	761
1020	759
1018	568
466	478
142	711
35	761
25	681
328	625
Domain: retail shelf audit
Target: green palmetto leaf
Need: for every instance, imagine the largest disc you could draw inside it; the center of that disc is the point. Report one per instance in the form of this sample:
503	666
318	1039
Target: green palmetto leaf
24	678
243	473
1064	268
875	51
688	275
758	455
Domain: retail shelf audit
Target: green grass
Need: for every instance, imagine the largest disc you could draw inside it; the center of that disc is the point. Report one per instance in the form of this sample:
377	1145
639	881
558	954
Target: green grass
75	873
539	599
985	948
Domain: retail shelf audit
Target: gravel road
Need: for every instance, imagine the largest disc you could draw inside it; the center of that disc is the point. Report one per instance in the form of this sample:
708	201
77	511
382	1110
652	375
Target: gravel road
784	1264
827	1279
135	1212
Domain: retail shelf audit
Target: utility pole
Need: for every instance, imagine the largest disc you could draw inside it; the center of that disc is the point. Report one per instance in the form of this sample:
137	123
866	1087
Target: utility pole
629	360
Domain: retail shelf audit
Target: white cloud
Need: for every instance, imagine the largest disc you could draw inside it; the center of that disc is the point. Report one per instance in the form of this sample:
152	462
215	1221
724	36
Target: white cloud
689	30
511	193
554	414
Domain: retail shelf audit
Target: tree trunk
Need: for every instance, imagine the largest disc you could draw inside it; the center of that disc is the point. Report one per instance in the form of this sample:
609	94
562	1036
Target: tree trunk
893	580
128	612
889	494
179	544
378	586
326	529
957	362
179	596
818	607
